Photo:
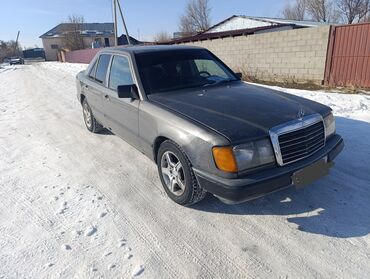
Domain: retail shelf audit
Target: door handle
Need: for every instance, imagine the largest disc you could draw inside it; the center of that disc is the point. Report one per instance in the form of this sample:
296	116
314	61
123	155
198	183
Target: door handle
107	97
85	87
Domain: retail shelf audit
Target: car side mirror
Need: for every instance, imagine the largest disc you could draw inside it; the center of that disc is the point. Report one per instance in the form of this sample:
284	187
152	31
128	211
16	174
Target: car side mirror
128	91
239	75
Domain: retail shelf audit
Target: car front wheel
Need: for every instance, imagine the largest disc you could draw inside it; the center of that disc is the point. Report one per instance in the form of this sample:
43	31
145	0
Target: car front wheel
177	176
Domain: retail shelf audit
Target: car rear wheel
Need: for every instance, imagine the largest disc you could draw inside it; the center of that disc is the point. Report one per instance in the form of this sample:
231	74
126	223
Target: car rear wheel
177	176
91	123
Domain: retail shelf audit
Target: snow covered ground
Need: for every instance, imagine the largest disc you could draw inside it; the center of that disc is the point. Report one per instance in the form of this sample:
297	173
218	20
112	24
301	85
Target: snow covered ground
80	205
5	67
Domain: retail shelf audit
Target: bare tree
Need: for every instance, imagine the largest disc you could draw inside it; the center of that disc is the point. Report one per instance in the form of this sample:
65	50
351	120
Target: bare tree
354	10
364	13
196	17
295	11
72	37
8	49
366	18
162	37
322	10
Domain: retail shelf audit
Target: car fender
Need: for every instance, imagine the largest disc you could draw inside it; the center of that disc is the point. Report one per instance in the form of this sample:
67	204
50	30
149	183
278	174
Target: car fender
157	124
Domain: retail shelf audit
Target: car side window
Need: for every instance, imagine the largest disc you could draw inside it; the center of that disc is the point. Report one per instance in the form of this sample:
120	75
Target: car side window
93	70
120	72
101	70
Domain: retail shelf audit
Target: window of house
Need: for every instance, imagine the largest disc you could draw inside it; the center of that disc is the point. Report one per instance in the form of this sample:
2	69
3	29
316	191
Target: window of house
53	46
120	72
101	70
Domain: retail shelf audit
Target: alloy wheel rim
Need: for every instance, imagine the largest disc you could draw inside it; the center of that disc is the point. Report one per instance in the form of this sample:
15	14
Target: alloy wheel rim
173	173
87	115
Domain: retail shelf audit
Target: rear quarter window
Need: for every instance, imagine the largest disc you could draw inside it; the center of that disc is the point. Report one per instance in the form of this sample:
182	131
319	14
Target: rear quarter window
101	70
93	70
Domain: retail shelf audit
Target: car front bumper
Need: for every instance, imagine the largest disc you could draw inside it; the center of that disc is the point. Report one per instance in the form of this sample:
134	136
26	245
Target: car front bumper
267	181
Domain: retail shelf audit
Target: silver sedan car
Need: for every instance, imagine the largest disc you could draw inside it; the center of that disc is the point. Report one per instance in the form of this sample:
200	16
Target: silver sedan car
206	129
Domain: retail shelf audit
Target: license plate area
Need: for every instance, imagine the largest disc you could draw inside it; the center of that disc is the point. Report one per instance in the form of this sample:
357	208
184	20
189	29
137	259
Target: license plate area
311	173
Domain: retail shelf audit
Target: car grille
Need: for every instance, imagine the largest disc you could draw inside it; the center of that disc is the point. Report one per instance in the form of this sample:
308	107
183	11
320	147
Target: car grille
301	143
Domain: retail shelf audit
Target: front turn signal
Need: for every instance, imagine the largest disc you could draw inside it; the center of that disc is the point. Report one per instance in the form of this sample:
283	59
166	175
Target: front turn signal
224	158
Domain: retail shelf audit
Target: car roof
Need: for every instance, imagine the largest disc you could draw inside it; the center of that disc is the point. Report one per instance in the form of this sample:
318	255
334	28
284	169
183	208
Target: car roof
147	48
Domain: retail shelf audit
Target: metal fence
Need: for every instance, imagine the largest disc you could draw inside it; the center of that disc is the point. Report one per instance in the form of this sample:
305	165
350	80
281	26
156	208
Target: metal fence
80	56
348	60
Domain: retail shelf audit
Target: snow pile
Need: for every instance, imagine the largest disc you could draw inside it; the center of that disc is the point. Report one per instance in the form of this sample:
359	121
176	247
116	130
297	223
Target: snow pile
5	67
65	68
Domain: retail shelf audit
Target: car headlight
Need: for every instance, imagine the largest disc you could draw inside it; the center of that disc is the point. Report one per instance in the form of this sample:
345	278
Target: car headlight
329	123
254	154
244	156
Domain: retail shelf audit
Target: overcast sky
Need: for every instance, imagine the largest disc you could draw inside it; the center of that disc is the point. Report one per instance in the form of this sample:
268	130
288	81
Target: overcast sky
144	17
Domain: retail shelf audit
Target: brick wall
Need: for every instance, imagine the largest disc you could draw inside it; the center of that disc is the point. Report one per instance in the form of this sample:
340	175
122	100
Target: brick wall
295	55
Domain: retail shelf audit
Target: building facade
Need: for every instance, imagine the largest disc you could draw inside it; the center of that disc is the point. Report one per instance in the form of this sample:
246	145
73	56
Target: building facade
88	35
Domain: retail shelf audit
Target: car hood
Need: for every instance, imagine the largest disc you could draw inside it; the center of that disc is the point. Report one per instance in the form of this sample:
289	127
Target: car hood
238	111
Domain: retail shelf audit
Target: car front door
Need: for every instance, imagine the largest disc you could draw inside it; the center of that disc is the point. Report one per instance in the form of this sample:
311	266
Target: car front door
122	114
95	86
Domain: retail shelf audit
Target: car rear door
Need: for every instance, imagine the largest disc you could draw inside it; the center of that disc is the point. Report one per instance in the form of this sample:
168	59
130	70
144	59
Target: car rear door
122	114
95	86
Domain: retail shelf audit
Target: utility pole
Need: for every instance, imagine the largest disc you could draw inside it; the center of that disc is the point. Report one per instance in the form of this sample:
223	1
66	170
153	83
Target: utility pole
16	44
116	3
115	22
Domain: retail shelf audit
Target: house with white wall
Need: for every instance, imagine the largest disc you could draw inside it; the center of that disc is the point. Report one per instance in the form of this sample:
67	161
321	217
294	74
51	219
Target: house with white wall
94	35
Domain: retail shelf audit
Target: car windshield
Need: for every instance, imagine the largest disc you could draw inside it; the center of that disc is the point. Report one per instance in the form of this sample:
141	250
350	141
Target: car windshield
178	69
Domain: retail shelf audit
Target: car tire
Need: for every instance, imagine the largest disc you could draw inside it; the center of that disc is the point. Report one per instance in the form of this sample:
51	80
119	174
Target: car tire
91	123
177	177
